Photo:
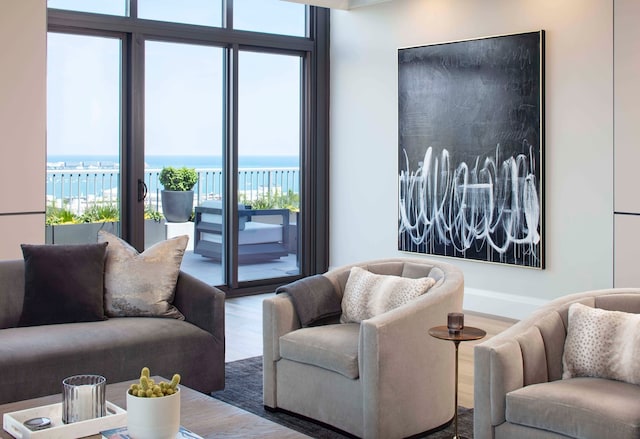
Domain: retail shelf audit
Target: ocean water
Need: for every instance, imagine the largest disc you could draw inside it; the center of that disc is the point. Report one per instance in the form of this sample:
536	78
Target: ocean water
91	177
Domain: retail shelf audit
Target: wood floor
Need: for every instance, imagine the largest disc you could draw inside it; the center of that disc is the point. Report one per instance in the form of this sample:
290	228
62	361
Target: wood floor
244	337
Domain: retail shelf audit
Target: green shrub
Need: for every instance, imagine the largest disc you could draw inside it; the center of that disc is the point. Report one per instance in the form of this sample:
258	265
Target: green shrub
57	215
276	200
152	214
101	213
178	179
98	213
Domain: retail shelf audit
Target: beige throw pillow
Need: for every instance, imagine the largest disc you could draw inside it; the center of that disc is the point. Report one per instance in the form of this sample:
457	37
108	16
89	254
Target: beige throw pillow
367	294
603	344
142	284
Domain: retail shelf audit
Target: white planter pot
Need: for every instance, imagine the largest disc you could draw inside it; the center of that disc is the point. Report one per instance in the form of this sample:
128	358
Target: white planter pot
153	418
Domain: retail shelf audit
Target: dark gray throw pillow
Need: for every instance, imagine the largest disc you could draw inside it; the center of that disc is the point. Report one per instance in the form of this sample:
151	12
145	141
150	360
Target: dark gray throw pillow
63	284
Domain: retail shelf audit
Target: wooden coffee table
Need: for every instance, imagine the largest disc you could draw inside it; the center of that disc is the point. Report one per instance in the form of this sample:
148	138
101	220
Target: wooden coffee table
200	413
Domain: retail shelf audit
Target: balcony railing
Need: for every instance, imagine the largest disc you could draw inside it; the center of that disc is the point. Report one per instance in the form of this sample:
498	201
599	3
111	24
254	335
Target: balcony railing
77	190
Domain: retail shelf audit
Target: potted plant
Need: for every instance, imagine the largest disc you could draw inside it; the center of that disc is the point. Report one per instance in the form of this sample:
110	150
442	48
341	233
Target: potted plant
177	196
65	227
153	409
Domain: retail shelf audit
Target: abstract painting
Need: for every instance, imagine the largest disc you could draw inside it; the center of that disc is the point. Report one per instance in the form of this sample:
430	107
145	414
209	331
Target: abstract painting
470	156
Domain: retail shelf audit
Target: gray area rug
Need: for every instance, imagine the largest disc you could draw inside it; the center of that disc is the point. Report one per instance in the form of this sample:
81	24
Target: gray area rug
243	388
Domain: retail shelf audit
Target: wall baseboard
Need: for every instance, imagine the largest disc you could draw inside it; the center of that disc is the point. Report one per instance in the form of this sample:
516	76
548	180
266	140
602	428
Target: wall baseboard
500	304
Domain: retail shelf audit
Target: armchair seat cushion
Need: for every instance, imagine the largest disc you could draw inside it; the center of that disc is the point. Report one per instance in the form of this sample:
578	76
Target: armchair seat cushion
332	347
253	233
578	407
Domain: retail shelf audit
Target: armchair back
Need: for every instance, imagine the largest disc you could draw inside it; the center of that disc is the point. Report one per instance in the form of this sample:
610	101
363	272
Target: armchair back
530	352
406	267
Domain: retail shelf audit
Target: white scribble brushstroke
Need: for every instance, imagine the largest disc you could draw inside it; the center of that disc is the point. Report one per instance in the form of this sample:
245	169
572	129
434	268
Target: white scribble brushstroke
492	207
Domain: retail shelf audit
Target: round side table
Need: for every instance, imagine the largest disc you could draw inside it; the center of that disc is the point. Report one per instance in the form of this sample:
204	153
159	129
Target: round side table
468	333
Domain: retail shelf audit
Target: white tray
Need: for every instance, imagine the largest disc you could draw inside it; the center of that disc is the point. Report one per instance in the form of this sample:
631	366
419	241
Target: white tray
12	423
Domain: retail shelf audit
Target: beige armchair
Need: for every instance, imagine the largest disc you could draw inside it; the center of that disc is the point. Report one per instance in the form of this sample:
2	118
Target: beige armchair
519	391
382	378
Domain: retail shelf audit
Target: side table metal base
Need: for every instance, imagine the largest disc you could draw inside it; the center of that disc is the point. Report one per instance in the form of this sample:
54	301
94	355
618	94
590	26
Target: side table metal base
466	334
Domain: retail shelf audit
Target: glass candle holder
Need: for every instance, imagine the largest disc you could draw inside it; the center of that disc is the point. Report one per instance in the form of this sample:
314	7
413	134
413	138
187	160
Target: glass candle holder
455	322
83	398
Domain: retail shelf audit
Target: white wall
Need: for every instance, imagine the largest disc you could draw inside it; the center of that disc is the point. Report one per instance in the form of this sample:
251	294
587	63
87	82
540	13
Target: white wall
578	168
22	123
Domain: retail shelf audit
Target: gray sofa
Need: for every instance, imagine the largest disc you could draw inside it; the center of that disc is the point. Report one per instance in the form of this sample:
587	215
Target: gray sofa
34	360
519	391
382	378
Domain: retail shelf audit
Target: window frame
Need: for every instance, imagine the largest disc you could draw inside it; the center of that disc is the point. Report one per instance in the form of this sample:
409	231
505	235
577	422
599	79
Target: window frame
314	153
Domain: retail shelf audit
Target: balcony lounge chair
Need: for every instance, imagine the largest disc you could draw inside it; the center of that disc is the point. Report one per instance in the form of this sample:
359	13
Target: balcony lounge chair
382	378
262	233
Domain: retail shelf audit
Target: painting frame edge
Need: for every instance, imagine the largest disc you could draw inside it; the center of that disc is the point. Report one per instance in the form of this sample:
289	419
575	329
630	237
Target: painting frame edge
542	150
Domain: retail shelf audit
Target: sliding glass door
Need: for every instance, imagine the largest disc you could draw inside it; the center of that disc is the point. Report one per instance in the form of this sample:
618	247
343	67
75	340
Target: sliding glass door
269	144
183	129
232	90
84	137
184	86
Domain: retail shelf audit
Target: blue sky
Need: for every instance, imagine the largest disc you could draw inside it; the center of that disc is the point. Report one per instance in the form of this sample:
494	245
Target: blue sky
183	85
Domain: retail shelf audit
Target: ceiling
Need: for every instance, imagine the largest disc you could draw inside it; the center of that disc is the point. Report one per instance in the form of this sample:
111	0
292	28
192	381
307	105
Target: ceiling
340	4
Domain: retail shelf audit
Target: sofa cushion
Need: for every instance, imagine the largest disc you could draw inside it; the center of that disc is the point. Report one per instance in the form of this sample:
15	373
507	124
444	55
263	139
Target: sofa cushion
367	294
332	347
602	344
142	284
63	284
35	359
588	408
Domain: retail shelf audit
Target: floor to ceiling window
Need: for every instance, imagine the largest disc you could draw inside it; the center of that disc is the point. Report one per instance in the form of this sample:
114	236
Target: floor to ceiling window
230	91
269	121
200	12
183	128
83	136
283	18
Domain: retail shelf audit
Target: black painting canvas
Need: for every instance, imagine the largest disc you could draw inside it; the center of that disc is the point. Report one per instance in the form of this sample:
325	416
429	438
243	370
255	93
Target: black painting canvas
470	149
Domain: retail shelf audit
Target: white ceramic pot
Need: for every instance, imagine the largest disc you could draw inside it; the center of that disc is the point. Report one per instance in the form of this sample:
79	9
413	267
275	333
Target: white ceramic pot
153	418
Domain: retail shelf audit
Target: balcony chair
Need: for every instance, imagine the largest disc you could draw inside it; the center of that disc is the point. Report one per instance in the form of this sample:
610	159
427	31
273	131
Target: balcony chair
382	378
260	238
519	389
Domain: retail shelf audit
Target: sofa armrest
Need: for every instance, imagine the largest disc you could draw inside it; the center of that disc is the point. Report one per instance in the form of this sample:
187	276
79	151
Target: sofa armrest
201	304
498	369
397	336
529	352
278	318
